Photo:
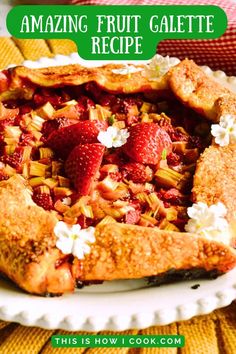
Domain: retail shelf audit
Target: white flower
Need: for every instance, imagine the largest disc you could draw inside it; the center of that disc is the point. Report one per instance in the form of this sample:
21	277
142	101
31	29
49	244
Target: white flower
73	240
225	131
159	66
113	137
127	70
209	222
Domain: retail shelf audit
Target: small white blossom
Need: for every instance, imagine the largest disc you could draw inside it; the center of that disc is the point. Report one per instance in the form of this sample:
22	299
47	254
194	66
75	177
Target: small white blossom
113	137
127	70
73	240
225	131
159	66
209	222
66	201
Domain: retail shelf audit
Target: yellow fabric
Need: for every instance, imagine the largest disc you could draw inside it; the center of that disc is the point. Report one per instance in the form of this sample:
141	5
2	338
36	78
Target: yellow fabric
15	51
64	47
9	53
33	49
211	334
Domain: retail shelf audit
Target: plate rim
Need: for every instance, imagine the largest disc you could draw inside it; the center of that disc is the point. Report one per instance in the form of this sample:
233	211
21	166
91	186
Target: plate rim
137	319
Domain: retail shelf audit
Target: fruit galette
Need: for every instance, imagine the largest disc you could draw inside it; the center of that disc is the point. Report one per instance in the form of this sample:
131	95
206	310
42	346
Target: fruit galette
106	173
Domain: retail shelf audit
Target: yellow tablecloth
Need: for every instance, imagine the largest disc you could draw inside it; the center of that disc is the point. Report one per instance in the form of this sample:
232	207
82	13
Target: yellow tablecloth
212	334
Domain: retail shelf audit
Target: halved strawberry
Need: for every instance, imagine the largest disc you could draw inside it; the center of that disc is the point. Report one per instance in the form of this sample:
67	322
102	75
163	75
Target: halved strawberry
146	143
82	165
64	140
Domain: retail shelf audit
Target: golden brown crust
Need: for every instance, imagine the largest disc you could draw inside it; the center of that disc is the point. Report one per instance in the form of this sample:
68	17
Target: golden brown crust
24	80
27	242
28	221
226	105
120	251
186	80
215	179
197	90
130	251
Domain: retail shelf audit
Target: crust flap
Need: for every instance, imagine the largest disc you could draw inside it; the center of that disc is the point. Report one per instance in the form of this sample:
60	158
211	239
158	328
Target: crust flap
128	251
27	244
197	90
24	80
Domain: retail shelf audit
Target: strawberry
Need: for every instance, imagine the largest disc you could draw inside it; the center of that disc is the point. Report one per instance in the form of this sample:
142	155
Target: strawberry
93	89
64	140
14	160
49	126
132	217
178	136
84	222
173	159
146	143
83	164
115	158
136	172
26	108
101	124
85	102
47	95
43	200
173	196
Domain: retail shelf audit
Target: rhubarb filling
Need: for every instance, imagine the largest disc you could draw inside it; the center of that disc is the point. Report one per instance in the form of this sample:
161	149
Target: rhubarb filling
143	176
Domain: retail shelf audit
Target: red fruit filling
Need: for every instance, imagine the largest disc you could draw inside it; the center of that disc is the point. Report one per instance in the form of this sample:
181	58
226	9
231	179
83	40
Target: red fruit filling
52	141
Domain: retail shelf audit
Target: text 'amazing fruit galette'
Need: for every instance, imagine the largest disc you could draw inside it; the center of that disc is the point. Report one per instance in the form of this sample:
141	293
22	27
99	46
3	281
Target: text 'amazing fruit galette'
106	173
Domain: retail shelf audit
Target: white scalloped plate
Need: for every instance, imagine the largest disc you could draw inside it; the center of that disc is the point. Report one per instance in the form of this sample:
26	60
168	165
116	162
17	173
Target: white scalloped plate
117	305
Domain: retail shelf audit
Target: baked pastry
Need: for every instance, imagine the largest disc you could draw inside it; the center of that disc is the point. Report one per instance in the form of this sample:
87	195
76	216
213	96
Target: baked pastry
106	173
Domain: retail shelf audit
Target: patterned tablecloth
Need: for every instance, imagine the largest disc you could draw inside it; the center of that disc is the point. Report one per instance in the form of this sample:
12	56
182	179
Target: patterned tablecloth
212	334
219	54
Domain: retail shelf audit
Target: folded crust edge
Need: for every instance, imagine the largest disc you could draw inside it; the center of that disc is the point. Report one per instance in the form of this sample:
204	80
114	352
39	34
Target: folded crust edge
128	251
